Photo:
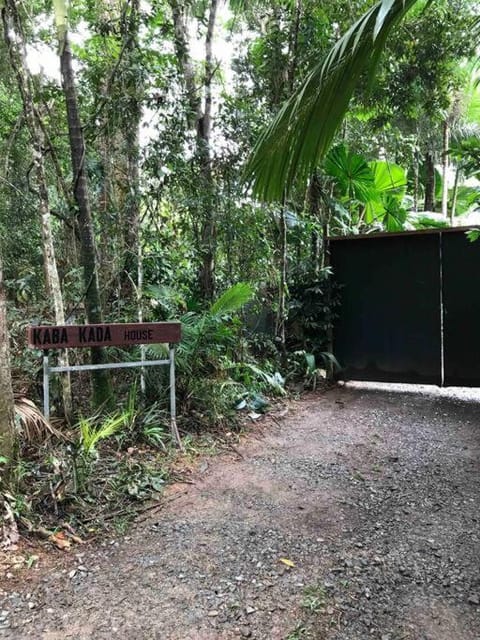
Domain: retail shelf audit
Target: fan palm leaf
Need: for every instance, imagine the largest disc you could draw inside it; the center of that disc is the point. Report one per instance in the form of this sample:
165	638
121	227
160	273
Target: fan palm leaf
34	428
351	173
305	126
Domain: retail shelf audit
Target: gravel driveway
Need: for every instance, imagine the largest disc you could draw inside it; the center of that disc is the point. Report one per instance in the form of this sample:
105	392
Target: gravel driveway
355	517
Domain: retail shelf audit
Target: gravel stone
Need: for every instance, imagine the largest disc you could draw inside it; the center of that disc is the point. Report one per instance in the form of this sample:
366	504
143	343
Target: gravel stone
373	493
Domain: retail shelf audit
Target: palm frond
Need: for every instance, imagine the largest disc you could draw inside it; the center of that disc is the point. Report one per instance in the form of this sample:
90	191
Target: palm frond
303	130
232	299
351	173
91	434
33	426
462	133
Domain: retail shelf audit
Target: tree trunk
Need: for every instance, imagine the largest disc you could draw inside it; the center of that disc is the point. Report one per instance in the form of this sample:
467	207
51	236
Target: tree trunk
185	63
17	53
208	228
293	46
429	182
445	165
102	389
139	293
453	209
132	206
282	285
132	144
314	199
415	179
7	411
200	118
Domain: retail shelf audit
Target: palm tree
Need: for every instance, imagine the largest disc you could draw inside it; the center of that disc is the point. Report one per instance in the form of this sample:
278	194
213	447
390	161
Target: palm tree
303	130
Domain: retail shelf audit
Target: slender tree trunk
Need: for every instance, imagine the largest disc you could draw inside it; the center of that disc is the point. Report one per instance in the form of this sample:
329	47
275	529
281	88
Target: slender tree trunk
282	285
293	46
102	389
7	406
200	118
415	180
132	144
17	54
7	411
429	182
208	229
119	147
140	306
185	62
132	205
315	205
453	210
445	166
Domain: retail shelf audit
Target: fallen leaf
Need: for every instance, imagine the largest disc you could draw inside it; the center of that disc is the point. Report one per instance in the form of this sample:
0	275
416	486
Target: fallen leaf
287	562
60	541
72	534
76	538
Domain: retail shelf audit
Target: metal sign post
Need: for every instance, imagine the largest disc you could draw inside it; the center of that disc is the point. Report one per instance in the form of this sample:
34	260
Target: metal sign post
47	337
46	386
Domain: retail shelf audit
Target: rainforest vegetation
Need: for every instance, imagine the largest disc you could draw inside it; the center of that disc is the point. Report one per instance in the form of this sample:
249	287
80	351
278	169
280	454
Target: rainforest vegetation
164	160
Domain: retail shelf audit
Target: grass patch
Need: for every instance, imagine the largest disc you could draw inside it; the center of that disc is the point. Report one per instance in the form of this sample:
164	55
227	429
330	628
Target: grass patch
314	598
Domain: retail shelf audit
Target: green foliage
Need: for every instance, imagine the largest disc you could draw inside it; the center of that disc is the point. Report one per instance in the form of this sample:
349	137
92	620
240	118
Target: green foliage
154	181
231	300
467	199
473	235
351	174
465	150
387	204
92	433
298	633
314	598
426	222
309	369
153	426
422	66
274	383
138	480
313	307
303	130
206	358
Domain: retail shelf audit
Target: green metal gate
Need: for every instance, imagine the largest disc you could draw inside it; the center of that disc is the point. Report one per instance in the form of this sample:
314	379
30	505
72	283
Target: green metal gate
410	307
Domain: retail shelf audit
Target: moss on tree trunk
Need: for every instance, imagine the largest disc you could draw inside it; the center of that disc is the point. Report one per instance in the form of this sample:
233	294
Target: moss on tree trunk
7	416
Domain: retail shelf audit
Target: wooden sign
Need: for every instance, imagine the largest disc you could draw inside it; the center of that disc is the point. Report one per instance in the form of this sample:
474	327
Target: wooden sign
102	335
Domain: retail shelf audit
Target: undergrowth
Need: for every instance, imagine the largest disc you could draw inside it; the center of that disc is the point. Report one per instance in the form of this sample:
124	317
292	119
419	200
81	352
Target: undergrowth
103	470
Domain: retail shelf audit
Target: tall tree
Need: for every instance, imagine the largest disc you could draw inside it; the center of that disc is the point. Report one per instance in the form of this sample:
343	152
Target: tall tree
131	120
116	66
7	422
102	389
199	98
305	126
15	41
303	130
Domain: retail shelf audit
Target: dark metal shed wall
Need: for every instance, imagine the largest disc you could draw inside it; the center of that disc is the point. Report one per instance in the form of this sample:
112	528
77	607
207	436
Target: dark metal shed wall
390	324
461	299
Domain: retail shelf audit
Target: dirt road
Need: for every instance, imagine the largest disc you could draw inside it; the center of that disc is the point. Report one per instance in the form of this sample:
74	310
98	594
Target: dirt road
357	517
